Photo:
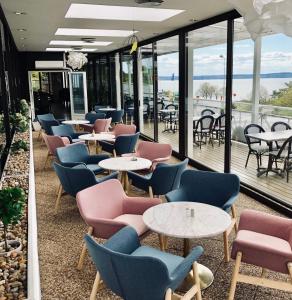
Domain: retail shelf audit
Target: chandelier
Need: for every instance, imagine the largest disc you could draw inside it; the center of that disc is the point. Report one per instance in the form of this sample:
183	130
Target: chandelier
76	60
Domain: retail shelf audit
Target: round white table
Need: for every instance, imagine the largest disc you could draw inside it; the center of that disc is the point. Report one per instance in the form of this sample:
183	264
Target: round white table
75	122
96	138
175	219
124	164
107	109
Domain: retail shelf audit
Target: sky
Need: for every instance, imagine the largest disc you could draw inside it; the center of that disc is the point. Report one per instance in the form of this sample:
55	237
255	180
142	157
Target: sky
276	58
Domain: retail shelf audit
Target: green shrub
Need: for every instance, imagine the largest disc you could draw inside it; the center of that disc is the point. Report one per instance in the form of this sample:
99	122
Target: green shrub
18	145
24	108
12	201
19	122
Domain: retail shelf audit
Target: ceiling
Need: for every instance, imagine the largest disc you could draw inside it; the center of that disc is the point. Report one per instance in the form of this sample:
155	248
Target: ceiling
43	17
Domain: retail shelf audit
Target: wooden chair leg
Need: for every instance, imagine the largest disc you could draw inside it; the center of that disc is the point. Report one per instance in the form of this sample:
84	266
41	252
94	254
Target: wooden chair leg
167	295
83	251
95	287
234	276
46	161
58	190
150	192
114	153
233	211
226	246
58	201
197	281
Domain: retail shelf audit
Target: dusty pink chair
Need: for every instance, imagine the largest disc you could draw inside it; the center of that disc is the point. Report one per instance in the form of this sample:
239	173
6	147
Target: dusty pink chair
106	209
124	129
265	241
102	125
53	142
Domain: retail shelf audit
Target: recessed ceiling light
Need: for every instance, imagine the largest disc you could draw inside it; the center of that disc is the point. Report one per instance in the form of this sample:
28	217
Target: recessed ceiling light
93	32
70	49
79	43
19	13
21	29
129	13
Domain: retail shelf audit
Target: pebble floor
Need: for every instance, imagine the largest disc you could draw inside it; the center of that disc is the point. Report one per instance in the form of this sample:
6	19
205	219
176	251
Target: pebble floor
60	239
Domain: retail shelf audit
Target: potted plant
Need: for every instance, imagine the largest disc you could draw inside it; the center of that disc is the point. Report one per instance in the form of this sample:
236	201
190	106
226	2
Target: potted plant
12	201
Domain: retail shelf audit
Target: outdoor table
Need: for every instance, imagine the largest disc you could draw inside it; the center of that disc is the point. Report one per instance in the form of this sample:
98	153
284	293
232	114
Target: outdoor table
107	109
269	137
175	220
96	138
124	164
171	112
76	123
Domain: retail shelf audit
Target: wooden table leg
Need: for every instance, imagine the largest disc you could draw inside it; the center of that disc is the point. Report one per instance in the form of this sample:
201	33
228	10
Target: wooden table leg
186	247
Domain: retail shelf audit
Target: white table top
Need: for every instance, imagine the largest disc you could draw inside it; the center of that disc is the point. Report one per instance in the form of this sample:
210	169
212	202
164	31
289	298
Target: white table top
125	164
75	122
173	219
168	110
198	117
107	109
97	137
272	136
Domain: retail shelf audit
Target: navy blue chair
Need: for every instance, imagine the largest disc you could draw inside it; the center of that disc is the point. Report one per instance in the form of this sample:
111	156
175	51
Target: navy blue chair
77	154
47	125
139	272
165	178
124	143
67	131
45	117
91	116
116	115
76	179
217	189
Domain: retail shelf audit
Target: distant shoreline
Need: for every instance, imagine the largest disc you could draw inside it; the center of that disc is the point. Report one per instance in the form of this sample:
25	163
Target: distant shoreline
235	76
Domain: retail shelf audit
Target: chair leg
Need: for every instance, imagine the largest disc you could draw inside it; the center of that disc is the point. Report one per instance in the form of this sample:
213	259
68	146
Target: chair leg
226	246
247	159
46	161
58	190
197	281
234	276
83	251
150	192
161	242
233	211
114	153
95	286
58	201
168	294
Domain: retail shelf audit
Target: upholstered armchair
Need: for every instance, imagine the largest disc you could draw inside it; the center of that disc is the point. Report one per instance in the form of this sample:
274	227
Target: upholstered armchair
140	272
67	131
78	154
121	129
92	117
217	189
106	209
76	179
265	241
165	178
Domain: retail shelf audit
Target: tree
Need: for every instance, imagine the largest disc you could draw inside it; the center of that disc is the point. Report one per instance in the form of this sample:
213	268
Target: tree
207	90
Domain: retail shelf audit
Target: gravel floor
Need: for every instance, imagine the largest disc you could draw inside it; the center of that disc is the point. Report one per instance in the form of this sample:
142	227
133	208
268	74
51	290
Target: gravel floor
60	240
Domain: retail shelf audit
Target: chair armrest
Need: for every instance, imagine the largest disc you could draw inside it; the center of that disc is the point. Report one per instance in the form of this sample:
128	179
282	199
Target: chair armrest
264	223
95	159
182	270
176	196
68	137
113	175
138	205
229	203
162	159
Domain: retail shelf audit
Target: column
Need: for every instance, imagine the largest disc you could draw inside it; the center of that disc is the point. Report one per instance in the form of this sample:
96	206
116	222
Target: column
190	104
118	81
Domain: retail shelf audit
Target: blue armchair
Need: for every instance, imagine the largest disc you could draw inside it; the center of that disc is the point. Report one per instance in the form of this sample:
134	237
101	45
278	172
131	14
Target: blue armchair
67	131
116	115
47	125
123	144
139	272
165	178
217	189
77	154
76	179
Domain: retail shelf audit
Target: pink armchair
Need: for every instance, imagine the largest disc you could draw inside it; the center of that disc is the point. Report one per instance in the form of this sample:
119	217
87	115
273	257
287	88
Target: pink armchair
106	209
124	129
100	125
265	241
53	142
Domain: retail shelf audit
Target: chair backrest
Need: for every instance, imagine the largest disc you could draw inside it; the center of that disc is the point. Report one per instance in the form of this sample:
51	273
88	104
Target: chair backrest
207	112
252	128
74	179
91	116
152	150
53	142
220	122
166	177
129	276
48	124
116	116
170	106
286	146
160	105
126	143
74	153
104	201
205	122
45	117
63	130
124	129
209	187
280	126
102	125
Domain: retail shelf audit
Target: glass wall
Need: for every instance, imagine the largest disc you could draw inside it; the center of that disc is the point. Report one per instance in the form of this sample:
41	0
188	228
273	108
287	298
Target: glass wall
206	96
168	94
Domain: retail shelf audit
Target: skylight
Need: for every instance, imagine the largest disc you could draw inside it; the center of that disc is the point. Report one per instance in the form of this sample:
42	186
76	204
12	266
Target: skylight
79	43
71	49
93	32
128	13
